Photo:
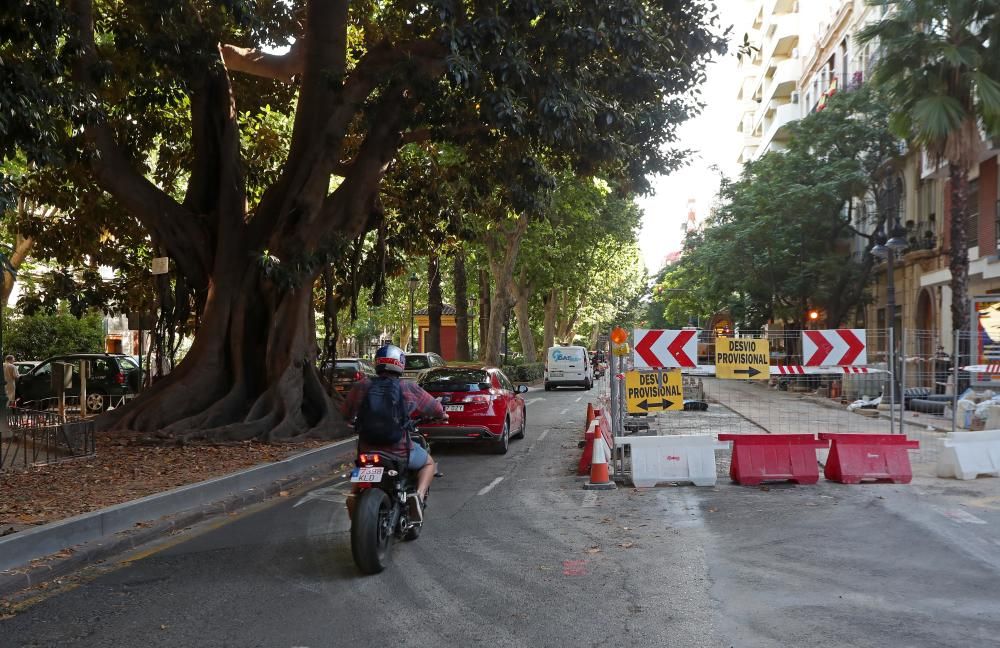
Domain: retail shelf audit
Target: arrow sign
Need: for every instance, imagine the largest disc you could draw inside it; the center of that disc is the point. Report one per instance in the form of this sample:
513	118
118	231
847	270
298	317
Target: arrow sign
658	348
837	347
664	404
749	372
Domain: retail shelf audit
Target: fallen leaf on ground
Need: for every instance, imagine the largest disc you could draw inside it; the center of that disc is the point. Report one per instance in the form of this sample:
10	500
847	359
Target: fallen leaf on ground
592	550
627	545
283	494
713	510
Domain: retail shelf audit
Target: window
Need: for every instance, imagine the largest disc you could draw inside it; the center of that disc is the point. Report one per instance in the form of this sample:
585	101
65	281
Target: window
505	383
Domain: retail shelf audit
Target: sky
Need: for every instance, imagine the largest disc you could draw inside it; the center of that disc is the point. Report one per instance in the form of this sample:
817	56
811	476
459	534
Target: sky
713	139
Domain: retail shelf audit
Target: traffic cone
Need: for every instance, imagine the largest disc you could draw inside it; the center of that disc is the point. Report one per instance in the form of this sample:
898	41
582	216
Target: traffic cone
599	479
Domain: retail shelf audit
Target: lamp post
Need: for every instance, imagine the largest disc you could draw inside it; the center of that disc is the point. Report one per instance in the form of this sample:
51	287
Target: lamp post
887	250
5	267
412	283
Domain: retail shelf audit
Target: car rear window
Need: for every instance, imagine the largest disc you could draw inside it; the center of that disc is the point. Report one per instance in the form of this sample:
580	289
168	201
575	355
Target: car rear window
348	369
417	362
568	355
456	380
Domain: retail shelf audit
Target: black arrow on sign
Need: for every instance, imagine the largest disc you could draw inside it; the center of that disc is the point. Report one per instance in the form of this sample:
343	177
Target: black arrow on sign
750	372
646	405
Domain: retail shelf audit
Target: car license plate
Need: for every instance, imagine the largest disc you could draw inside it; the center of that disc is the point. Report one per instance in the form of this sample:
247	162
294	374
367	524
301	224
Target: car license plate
556	374
454	408
367	474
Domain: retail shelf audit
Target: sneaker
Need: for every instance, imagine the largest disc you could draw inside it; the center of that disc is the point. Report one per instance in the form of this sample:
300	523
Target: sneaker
416	508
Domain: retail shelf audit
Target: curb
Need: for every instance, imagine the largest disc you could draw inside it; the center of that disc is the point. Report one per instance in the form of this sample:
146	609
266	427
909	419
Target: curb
108	531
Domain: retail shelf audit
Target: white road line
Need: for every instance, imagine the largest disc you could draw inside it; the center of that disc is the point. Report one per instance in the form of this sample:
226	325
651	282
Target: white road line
533	400
579	399
962	517
488	487
541	437
563	412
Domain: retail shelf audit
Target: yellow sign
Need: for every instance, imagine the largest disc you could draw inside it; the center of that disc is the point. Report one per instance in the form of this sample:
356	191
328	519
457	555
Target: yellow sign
620	350
653	391
742	358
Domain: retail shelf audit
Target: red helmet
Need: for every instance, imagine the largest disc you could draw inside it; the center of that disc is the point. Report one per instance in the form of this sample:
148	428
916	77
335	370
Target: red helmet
390	358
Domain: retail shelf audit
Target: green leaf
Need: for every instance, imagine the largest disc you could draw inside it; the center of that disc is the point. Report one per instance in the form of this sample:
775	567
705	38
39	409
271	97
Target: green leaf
937	116
988	91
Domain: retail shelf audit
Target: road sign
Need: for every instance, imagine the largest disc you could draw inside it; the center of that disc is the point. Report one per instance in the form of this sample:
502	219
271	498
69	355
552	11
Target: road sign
742	358
653	391
658	348
835	347
161	265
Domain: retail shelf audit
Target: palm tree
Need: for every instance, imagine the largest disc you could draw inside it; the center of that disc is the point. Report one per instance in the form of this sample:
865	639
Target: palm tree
938	66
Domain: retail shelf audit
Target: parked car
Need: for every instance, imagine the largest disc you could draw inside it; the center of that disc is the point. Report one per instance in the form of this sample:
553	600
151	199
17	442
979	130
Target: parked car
24	366
417	364
481	403
347	371
111	378
568	366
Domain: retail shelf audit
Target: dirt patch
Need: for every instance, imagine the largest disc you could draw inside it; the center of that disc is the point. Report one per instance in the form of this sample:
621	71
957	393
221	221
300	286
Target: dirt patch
123	469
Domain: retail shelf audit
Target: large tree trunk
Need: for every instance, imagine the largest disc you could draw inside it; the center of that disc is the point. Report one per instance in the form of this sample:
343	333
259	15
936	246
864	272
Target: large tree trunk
503	247
551	301
959	261
522	295
462	352
433	340
484	311
22	247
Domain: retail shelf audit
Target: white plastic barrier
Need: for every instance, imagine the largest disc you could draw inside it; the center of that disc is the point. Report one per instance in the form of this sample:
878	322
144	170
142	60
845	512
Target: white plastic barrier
966	455
657	459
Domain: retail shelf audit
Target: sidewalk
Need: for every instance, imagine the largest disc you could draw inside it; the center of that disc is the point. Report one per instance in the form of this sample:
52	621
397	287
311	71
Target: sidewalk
128	496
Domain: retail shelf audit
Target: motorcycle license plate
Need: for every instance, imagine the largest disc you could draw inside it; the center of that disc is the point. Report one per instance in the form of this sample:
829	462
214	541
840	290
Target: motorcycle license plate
367	474
454	408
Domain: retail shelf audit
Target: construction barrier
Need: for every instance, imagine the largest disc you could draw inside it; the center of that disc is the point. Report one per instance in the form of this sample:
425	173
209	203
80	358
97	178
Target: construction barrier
856	457
774	457
657	459
966	455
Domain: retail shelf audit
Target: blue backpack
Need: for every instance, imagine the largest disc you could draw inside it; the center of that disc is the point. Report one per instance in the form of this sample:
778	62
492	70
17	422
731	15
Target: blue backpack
382	418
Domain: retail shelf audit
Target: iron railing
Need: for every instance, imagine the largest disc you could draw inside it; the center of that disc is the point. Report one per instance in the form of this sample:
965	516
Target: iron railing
36	438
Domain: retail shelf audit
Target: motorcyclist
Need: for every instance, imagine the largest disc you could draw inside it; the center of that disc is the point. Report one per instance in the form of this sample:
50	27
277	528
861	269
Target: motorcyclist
389	363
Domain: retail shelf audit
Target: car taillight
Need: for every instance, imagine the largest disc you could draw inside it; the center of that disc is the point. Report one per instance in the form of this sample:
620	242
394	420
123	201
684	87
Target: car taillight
366	459
120	378
358	376
479	398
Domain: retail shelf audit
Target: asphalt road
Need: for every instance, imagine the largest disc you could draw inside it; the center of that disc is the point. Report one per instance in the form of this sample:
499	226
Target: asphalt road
515	553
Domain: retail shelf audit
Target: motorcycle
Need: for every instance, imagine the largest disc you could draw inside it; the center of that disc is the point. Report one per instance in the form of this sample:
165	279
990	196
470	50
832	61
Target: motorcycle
380	508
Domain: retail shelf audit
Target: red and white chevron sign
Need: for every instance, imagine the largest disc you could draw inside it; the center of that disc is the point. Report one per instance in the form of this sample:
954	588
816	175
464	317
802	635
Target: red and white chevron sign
834	347
658	348
993	369
799	370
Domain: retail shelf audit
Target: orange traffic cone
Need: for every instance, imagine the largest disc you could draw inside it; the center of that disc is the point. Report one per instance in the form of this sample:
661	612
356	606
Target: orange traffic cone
599	478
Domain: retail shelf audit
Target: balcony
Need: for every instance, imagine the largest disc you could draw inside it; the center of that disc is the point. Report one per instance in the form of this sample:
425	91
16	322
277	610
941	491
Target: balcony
784	79
782	36
783	115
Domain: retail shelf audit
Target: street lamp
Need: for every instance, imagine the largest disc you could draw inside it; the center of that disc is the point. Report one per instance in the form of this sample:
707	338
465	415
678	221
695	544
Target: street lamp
412	283
887	250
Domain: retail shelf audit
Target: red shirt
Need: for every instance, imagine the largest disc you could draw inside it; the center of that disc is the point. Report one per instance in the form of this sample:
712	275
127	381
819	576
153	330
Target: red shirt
416	400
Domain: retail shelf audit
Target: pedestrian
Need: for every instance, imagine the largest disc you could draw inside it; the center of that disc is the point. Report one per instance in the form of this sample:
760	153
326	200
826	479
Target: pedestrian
10	379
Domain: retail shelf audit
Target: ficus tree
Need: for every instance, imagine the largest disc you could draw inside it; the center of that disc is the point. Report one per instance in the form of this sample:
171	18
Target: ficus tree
159	96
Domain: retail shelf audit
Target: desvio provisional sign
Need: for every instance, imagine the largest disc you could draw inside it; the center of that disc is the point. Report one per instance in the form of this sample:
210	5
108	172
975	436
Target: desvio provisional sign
660	348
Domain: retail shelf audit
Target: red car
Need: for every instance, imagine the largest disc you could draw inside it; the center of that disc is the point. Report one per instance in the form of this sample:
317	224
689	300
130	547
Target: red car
482	405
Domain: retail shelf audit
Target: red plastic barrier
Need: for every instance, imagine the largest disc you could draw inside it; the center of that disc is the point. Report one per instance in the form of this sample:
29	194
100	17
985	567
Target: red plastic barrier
774	457
882	457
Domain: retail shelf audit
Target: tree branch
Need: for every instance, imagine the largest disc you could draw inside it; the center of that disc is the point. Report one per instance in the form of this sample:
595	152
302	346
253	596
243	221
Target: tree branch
169	222
281	67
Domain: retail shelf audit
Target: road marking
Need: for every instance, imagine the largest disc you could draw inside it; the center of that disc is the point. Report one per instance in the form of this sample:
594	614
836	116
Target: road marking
541	437
590	500
490	486
333	494
579	399
533	400
962	517
565	409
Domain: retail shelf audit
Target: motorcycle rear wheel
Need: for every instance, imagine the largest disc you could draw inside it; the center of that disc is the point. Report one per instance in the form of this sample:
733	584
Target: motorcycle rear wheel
370	531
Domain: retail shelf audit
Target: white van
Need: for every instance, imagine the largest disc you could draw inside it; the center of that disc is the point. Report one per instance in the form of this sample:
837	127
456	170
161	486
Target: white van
568	365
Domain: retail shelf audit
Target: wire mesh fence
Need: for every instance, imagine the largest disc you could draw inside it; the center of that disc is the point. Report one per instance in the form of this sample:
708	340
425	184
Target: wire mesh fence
903	382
